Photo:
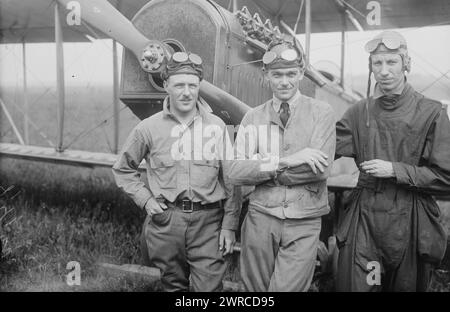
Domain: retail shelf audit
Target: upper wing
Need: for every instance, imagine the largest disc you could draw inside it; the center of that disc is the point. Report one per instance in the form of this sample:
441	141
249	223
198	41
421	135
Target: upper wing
325	16
33	21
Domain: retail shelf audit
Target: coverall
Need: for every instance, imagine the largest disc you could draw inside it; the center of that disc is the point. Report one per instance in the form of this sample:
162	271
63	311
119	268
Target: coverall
394	222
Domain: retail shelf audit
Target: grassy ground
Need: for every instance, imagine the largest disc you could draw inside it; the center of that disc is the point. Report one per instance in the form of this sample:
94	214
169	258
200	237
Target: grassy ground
39	240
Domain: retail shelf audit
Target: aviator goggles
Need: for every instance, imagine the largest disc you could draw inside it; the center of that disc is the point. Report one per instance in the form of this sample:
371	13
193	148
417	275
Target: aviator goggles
183	57
391	42
288	55
183	63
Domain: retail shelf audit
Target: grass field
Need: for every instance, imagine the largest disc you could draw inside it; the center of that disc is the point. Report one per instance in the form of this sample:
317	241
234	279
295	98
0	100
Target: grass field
39	240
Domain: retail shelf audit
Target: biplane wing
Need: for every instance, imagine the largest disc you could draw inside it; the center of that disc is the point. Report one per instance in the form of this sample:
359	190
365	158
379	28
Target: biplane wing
324	17
33	21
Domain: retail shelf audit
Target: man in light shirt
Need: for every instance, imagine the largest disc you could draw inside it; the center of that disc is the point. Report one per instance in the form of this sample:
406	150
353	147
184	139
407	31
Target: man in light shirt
285	149
192	214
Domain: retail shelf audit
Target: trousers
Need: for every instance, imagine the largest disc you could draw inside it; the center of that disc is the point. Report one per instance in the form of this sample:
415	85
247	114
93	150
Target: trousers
278	254
185	247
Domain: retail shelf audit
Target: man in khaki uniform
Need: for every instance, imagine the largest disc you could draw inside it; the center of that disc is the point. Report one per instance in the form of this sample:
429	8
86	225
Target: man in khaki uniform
281	230
193	216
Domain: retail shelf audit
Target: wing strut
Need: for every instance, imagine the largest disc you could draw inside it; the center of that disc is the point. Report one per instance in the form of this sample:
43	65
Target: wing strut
307	30
25	93
344	27
59	78
115	97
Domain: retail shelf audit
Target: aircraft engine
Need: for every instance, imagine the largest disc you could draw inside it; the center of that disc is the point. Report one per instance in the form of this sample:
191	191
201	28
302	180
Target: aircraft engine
231	46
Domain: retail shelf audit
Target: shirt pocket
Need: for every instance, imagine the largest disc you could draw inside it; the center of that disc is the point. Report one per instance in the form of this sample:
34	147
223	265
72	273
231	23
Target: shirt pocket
311	196
204	173
164	171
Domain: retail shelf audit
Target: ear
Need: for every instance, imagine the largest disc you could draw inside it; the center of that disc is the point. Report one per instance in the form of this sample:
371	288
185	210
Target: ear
407	63
266	74
301	73
165	84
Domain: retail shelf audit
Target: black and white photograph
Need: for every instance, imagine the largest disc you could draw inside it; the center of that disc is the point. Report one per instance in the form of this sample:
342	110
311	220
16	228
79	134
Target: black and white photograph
225	151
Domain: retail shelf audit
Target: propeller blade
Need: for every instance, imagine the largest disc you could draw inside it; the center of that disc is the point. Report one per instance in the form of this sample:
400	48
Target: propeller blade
102	15
223	101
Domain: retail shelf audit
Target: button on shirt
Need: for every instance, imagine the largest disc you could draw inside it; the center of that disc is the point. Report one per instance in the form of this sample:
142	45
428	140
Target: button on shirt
175	163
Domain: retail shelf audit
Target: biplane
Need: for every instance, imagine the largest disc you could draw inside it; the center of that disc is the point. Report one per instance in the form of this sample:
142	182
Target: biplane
230	36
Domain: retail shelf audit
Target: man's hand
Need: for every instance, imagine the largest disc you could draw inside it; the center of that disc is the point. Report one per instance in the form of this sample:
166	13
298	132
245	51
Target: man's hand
378	168
152	206
227	238
314	158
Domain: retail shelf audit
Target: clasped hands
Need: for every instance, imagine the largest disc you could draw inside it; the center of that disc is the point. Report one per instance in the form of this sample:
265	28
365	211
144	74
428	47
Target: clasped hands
377	168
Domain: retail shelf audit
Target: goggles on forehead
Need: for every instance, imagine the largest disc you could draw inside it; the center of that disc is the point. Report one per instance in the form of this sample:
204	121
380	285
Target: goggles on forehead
183	57
288	55
183	63
392	43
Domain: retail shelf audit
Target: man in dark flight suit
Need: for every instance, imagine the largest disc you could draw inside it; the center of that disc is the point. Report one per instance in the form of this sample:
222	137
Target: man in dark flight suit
390	233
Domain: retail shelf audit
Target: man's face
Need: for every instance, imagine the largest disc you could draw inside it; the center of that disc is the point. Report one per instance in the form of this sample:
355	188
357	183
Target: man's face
284	82
183	92
388	70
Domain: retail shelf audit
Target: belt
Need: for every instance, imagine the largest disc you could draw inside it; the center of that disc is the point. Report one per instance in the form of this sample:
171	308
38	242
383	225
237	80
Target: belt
189	206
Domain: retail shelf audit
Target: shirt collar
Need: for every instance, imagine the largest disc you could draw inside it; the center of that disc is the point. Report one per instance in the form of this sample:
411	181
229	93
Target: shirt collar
202	106
378	92
292	102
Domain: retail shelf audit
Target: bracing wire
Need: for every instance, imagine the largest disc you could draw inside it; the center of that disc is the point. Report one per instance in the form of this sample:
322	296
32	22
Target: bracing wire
436	80
86	132
39	131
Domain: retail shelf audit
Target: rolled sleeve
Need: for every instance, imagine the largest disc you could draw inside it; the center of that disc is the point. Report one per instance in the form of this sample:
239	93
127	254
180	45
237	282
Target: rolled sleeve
126	169
232	210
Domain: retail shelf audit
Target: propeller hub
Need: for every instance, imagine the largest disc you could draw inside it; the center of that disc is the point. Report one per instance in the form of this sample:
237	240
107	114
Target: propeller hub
153	56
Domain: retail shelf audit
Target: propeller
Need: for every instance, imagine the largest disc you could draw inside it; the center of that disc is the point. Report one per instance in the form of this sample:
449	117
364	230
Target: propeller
223	101
151	53
105	17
